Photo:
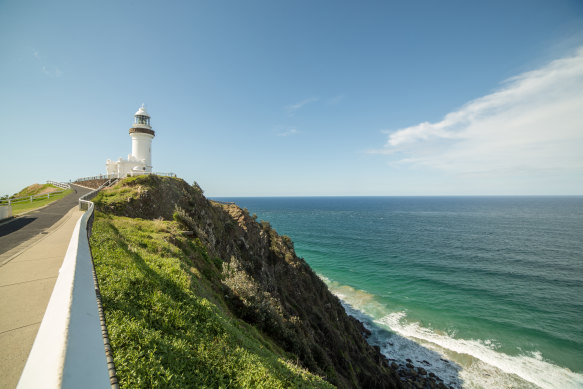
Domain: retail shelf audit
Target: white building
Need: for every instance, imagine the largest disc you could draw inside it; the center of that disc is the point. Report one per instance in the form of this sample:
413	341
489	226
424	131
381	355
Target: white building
140	160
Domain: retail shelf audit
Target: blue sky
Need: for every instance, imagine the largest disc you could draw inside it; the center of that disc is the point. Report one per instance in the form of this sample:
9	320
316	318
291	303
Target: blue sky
254	98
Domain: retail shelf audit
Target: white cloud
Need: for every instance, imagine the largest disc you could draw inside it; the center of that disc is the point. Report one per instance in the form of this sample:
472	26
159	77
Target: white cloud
298	105
288	132
532	126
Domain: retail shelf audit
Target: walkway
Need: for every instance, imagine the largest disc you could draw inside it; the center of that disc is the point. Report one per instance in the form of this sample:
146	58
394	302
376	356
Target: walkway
32	248
31	224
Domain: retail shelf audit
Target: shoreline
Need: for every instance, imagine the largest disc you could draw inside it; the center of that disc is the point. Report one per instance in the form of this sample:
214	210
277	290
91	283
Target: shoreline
418	365
410	375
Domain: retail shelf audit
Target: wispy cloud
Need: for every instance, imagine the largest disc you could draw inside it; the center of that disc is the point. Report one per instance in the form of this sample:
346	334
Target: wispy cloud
288	132
294	107
335	100
533	124
50	71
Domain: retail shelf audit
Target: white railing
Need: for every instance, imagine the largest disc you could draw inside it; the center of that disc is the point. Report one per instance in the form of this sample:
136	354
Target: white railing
71	349
99	177
84	201
28	199
165	174
62	185
117	175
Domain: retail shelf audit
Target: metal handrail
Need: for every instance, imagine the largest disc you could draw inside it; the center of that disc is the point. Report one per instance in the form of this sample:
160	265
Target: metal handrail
84	201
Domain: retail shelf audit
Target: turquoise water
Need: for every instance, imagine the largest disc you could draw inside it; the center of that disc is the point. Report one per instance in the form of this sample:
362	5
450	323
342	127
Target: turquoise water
483	291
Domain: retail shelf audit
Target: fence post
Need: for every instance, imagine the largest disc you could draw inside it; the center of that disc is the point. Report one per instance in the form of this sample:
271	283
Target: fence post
31	199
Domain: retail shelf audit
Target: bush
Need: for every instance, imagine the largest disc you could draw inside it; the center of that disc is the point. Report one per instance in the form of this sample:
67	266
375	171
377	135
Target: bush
197	188
265	226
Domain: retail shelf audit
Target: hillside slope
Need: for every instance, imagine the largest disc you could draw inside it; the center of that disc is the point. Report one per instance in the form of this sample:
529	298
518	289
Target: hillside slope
162	249
36	189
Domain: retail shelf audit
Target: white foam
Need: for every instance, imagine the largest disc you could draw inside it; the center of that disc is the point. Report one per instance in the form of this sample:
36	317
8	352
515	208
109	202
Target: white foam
532	368
459	362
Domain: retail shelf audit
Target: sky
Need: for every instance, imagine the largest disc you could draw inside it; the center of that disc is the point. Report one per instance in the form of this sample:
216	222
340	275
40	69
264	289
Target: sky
299	98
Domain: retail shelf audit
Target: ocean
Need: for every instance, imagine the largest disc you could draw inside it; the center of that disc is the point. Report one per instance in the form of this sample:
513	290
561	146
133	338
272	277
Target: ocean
483	291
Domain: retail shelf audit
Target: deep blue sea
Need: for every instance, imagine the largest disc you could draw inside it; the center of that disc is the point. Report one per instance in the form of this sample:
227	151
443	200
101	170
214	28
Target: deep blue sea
483	291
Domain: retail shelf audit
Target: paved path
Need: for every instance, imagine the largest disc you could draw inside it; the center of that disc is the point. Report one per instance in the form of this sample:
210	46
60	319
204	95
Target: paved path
31	224
31	253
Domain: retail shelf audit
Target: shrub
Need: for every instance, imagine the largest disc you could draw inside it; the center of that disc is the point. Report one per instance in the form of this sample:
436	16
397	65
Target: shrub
197	188
265	226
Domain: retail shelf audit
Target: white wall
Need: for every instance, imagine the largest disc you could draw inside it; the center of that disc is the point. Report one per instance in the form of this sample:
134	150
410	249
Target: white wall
5	212
68	351
142	147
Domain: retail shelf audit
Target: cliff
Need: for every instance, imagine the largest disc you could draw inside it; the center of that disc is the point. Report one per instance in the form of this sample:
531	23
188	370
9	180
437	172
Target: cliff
245	272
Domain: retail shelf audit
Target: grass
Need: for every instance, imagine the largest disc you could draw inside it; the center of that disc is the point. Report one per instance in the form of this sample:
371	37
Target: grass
19	208
168	324
35	189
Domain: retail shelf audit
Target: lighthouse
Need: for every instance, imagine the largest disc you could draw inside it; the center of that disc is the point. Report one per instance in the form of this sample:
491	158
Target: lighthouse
140	160
142	135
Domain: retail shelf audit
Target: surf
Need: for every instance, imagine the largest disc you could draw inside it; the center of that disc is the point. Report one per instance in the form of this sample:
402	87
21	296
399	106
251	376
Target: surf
461	363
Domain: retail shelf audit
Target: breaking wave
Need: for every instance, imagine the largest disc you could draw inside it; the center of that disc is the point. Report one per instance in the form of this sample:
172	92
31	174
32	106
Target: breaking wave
461	363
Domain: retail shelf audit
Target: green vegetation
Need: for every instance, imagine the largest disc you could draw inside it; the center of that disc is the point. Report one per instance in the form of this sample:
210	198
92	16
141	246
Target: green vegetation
19	208
36	189
199	294
168	323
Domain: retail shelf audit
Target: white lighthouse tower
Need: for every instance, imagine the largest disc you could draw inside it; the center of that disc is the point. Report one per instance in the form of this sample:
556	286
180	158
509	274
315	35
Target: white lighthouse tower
140	160
142	135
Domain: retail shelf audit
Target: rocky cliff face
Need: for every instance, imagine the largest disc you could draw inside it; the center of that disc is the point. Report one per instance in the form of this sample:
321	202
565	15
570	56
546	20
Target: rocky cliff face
262	280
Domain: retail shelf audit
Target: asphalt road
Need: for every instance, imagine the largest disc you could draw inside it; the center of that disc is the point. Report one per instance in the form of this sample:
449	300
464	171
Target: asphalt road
23	228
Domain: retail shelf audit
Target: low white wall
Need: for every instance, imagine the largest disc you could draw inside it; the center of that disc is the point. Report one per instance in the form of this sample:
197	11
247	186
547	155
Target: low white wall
5	212
68	351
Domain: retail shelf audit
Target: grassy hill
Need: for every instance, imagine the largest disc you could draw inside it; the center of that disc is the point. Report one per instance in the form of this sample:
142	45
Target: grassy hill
199	294
36	189
168	326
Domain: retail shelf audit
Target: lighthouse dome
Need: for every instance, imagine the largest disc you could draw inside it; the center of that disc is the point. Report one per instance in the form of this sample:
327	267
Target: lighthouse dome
142	112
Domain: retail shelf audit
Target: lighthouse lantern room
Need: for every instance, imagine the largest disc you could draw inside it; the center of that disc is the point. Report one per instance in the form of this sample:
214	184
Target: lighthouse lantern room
140	160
